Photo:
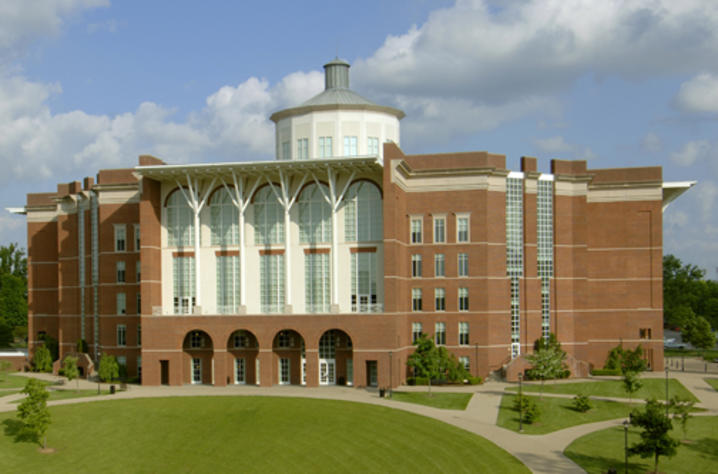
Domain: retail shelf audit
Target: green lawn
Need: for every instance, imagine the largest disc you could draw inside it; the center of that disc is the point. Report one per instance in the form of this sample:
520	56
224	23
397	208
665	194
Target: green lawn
13	381
248	434
557	414
448	401
65	393
598	451
712	382
614	388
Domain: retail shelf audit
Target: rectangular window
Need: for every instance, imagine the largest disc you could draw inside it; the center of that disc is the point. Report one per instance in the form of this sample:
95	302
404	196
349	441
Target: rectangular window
228	284
440	299
271	281
439	265
644	333
239	371
139	303
463	333
138	274
139	368
183	284
121	303
284	371
120	238
440	334
416	331
139	334
325	147
317	282
286	153
137	237
302	148
122	363
363	283
463	269
120	271
416	266
121	335
416	299
372	146
465	362
463	299
439	230
416	230
350	146
462	228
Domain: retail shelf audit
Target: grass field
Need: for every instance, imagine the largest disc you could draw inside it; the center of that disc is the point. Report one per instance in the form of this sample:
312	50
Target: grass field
598	451
557	414
13	381
614	388
712	382
447	401
64	394
247	434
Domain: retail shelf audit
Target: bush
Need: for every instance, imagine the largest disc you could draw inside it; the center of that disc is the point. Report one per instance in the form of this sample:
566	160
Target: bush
581	403
474	380
606	372
528	408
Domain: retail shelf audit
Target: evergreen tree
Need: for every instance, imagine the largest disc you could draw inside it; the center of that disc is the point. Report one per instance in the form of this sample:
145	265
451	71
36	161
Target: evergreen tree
655	441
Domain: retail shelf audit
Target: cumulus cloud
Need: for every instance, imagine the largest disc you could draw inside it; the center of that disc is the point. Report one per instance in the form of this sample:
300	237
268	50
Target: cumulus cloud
699	94
693	152
557	146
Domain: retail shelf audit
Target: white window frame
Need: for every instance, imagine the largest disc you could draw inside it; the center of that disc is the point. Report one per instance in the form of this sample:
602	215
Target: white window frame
439	229
196	380
240	378
121	300
463	299
416	299
286	150
463	236
416	331
439	265
440	299
464	333
302	148
350	145
462	269
325	147
282	379
440	333
121	335
120	271
372	145
416	229
120	237
416	265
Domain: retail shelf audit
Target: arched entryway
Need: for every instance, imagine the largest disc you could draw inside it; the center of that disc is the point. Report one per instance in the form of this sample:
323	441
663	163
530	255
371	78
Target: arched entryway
198	358
243	348
289	358
336	364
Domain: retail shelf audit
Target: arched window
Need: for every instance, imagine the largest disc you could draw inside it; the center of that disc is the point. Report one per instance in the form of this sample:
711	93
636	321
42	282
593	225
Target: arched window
224	219
363	213
268	218
315	215
180	221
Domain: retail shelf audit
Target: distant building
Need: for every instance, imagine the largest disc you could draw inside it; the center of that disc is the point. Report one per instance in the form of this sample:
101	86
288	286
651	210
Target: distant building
323	267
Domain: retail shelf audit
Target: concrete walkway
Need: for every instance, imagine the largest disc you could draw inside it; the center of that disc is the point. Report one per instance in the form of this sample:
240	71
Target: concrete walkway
540	453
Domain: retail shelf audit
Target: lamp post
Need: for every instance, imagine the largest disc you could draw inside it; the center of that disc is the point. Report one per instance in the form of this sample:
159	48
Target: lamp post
625	445
521	405
666	390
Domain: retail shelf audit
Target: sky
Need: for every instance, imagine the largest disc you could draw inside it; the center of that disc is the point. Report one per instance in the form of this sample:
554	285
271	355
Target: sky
91	84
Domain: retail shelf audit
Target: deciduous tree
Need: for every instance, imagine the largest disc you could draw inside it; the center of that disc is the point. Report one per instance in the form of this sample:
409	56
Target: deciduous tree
42	360
33	412
69	367
655	441
547	362
108	370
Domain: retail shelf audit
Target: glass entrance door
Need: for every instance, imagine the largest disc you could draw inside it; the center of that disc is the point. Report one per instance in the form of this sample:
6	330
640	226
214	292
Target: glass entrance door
239	371
284	371
327	371
196	370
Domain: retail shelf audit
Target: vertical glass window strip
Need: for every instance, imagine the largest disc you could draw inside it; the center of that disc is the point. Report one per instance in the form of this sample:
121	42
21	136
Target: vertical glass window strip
224	219
363	213
228	284
372	146
439	230
440	334
364	294
325	147
463	267
120	267
317	282
139	368
82	253
514	256
315	216
416	330
121	303
416	299
139	303
268	218
302	148
121	335
416	266
183	284
440	299
544	223
464	300
137	237
120	238
416	228
462	229
271	281
286	154
180	221
439	265
139	334
138	272
464	333
350	146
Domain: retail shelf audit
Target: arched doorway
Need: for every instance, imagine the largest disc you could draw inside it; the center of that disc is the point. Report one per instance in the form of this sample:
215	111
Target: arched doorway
243	348
336	364
290	358
198	358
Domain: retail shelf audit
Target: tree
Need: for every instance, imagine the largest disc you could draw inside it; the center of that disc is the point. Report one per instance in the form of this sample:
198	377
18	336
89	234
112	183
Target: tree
42	360
687	294
5	368
69	367
6	336
547	361
625	360
13	285
699	334
681	409
108	370
655	441
33	411
631	384
424	361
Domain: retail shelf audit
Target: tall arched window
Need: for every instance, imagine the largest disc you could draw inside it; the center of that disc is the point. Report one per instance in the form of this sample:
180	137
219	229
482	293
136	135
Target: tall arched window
315	215
363	213
268	218
180	221
224	219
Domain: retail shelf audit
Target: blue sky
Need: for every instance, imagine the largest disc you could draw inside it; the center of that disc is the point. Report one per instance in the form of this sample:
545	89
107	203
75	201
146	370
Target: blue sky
89	84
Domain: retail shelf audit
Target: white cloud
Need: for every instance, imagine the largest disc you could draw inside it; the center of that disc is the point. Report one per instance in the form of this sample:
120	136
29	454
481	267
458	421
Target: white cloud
558	146
693	152
699	94
652	143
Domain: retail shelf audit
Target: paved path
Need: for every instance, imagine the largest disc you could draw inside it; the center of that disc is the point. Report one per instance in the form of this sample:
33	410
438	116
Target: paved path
541	453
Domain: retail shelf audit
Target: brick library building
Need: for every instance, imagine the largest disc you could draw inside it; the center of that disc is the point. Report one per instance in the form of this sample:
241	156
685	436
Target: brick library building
323	266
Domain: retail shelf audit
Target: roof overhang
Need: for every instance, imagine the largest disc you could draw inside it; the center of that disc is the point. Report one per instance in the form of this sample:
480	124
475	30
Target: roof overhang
673	189
305	109
17	210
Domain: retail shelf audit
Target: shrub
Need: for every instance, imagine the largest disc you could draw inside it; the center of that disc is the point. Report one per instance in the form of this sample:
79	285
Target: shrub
606	372
42	361
474	380
528	408
581	403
